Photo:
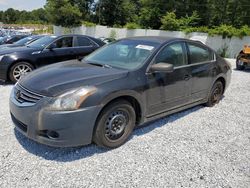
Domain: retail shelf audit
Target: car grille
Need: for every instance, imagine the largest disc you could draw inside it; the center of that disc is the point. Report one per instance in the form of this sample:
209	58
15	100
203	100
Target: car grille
23	95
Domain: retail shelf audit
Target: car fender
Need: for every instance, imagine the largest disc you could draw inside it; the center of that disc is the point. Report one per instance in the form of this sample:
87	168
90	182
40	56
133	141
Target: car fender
125	93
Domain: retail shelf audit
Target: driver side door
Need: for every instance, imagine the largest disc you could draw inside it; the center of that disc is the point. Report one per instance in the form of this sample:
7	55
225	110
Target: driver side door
169	90
60	50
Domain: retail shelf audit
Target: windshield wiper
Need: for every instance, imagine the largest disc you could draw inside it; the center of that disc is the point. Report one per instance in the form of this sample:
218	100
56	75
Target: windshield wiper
107	66
101	65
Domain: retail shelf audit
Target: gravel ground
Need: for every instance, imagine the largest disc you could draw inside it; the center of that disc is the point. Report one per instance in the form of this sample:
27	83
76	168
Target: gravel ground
200	147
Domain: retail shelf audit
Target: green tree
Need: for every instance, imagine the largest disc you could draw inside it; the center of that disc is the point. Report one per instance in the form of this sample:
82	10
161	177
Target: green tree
39	15
85	6
1	16
110	12
130	9
63	13
10	16
190	21
170	22
152	11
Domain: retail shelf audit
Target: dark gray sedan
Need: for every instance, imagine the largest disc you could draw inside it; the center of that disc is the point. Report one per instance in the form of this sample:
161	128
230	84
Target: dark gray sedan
120	86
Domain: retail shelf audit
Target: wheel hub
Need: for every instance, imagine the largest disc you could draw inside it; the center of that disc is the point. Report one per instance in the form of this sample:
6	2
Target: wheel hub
115	125
217	94
20	71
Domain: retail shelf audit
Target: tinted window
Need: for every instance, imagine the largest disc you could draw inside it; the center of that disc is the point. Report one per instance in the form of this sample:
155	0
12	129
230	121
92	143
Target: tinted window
83	41
199	54
23	41
173	54
15	38
65	42
42	42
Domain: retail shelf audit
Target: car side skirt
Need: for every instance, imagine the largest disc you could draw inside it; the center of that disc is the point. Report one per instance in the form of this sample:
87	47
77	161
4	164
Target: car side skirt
161	115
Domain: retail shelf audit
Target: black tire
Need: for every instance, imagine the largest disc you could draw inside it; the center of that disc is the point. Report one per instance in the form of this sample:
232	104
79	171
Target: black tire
13	73
215	94
115	124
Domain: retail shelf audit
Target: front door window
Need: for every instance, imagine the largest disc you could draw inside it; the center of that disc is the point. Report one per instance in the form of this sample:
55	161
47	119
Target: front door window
173	54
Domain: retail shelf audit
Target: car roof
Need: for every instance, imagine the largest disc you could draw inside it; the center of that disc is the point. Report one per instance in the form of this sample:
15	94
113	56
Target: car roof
158	39
161	40
98	41
70	35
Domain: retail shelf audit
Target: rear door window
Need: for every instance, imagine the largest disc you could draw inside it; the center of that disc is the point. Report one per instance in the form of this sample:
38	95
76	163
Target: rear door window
199	54
83	41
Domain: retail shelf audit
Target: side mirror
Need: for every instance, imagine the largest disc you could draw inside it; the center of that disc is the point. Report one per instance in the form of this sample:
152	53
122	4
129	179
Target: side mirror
162	67
52	46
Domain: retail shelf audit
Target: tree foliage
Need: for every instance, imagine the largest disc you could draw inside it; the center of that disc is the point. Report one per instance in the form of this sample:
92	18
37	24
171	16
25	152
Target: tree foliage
63	13
170	22
155	14
11	16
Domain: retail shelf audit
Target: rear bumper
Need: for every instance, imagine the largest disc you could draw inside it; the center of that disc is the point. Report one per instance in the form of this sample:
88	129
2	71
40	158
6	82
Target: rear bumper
72	128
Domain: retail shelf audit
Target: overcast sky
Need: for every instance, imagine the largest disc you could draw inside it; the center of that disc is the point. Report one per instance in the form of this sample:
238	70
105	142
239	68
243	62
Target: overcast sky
21	4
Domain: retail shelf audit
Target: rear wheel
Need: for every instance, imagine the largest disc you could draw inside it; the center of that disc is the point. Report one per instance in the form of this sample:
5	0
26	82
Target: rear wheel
115	124
18	70
215	94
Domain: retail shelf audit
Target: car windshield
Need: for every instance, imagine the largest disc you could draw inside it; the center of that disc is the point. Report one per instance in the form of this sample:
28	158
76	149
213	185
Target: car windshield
42	42
125	54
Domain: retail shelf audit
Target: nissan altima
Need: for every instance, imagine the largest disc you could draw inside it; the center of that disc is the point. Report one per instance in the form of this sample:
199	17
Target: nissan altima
115	89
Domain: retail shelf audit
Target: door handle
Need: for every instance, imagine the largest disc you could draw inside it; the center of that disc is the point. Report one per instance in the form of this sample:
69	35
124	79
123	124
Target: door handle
187	77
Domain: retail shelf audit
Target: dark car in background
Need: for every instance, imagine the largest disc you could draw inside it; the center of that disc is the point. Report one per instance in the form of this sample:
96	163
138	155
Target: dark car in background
22	42
11	39
122	85
16	62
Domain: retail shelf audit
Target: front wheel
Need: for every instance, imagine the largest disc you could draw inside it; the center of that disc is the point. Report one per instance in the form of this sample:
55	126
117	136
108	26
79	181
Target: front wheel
215	94
18	70
115	124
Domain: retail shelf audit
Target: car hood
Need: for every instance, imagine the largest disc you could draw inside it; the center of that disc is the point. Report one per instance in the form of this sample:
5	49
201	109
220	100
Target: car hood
4	51
56	79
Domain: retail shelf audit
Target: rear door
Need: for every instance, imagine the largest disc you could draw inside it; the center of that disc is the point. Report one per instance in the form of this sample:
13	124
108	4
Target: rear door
83	46
170	90
202	64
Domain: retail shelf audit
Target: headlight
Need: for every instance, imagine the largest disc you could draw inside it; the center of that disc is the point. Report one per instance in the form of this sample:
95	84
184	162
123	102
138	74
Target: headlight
1	57
72	100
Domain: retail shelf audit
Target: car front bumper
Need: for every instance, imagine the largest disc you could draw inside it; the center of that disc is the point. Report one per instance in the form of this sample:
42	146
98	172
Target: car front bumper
68	128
